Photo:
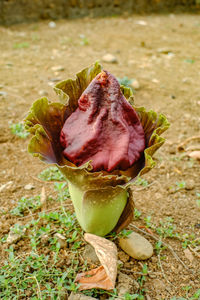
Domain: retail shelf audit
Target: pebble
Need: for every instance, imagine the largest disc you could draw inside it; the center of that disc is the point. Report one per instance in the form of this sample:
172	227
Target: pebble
90	254
74	296
14	237
3	94
109	58
61	239
190	185
135	84
58	68
136	246
6	185
164	50
55	79
141	22
52	24
29	187
43	93
126	284
44	239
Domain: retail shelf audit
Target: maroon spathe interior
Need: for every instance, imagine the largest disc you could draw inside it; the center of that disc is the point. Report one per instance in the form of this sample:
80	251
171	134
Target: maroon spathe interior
104	128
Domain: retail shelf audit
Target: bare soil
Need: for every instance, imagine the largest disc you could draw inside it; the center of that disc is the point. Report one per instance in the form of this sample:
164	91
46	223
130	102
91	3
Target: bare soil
169	83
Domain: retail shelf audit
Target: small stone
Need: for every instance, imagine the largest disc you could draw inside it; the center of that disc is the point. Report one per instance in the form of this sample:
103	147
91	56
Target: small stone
57	68
188	255
187	80
155	80
109	58
52	24
141	22
135	84
190	185
126	284
14	237
3	94
90	254
43	93
164	50
44	239
1	86
55	79
61	239
74	296
136	246
5	185
29	187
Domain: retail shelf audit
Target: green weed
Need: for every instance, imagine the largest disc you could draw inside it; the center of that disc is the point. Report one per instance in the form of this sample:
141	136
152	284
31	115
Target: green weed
25	205
51	174
21	45
18	130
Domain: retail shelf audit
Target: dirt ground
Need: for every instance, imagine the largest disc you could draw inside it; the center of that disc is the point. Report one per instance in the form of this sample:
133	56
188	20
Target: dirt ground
162	53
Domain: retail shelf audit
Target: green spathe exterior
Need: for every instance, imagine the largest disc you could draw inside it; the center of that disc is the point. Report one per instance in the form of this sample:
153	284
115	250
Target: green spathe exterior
102	200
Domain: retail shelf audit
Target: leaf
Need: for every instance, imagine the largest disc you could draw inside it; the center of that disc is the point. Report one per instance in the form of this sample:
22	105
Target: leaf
103	277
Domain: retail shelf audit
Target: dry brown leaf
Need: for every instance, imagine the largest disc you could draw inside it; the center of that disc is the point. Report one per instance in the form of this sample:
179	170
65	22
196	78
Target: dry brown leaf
103	277
194	154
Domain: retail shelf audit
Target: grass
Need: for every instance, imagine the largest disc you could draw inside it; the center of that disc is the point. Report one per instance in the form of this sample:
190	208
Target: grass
51	174
32	273
38	266
21	45
18	130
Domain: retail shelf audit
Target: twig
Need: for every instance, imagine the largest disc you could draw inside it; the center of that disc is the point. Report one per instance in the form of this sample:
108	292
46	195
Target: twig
180	147
162	270
39	290
166	245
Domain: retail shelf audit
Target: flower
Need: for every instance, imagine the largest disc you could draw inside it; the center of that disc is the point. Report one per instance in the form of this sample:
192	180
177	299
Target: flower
100	191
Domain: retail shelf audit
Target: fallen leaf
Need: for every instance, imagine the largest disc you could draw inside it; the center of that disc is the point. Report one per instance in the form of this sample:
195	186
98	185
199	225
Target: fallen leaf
103	277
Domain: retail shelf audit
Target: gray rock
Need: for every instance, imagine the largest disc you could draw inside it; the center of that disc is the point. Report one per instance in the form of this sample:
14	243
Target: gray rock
74	296
61	239
126	284
52	24
136	246
190	185
90	254
43	93
57	68
14	237
109	58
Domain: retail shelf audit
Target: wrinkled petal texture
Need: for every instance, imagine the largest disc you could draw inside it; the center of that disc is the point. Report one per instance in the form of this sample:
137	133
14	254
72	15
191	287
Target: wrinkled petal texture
104	128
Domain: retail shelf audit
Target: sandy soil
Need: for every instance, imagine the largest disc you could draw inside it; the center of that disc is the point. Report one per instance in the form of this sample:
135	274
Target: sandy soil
162	53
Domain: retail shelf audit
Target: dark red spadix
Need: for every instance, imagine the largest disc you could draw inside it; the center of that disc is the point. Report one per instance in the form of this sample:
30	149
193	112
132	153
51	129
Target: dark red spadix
104	128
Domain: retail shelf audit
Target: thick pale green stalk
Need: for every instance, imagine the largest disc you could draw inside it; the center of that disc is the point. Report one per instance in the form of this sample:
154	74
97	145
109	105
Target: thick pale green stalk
98	211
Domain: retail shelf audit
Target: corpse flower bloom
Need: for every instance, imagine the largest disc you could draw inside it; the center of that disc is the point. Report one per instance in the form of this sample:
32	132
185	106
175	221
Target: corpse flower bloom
100	141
